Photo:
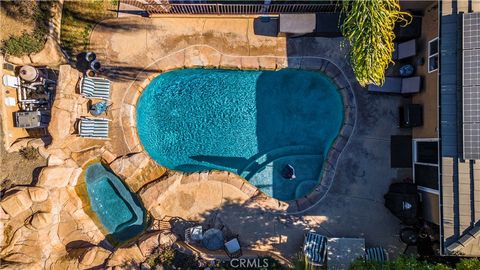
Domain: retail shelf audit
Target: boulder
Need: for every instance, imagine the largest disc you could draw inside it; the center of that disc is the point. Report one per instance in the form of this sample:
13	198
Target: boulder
51	54
55	177
42	151
55	160
19	61
94	257
16	203
38	194
17	145
74	177
59	127
131	255
36	143
128	165
41	220
3	216
147	243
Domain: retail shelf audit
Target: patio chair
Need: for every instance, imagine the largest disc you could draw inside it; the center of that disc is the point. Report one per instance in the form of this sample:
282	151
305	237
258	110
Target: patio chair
95	88
94	128
233	249
405	49
378	254
194	234
397	85
315	251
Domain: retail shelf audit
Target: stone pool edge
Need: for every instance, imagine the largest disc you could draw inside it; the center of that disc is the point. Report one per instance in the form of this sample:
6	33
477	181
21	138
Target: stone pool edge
204	56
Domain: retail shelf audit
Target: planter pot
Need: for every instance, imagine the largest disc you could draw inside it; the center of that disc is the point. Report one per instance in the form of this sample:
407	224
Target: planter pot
90	56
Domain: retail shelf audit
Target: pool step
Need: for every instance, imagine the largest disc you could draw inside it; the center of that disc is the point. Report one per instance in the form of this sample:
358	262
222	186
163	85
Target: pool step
265	158
254	170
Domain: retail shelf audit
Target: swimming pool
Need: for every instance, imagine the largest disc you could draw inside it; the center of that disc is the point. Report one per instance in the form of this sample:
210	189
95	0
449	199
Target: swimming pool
117	208
253	123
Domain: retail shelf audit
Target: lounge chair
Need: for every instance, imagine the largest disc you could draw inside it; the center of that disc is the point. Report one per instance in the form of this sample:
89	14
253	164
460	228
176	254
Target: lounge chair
233	248
405	49
94	128
194	234
398	85
376	254
11	81
315	250
95	88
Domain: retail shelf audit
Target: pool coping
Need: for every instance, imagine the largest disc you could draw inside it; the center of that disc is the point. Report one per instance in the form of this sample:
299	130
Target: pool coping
204	56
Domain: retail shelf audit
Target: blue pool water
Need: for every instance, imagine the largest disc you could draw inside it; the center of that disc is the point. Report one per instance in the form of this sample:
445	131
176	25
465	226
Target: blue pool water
252	123
117	208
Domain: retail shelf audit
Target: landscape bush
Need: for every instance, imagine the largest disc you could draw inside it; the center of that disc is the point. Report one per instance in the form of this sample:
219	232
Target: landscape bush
413	263
29	153
28	43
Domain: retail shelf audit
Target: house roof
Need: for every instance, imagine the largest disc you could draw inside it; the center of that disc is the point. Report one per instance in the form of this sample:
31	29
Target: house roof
459	178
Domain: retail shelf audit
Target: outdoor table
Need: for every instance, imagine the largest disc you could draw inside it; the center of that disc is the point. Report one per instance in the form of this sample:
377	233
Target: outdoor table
213	239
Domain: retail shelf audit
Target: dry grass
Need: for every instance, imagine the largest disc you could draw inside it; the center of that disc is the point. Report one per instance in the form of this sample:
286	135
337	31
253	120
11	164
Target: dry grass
78	20
12	26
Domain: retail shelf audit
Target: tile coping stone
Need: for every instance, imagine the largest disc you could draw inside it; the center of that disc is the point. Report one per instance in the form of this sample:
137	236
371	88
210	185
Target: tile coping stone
255	62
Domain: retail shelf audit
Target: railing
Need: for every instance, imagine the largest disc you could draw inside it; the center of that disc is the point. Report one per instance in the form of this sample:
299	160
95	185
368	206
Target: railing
151	7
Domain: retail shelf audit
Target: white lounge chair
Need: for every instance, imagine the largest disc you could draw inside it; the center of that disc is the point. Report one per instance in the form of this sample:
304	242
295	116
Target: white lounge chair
94	128
95	88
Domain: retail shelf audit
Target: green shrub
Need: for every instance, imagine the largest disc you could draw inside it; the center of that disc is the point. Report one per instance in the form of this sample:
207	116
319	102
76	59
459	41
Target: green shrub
28	43
24	44
399	263
468	264
29	153
164	254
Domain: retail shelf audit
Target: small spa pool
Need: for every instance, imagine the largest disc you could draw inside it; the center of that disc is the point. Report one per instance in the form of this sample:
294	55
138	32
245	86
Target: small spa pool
120	212
253	123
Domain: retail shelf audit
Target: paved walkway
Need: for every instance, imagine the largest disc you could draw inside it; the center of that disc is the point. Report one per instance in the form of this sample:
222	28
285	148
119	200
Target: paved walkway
354	205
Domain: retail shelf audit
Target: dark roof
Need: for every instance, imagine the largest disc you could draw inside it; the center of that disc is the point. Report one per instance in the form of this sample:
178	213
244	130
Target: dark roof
460	179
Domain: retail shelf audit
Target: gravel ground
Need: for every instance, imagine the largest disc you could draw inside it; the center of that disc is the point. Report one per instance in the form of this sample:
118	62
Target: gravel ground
15	170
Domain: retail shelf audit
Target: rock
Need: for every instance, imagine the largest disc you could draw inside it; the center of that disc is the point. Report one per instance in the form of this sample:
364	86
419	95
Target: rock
131	255
36	143
38	194
59	126
42	151
137	170
108	156
19	61
41	220
55	177
51	54
3	216
145	266
74	177
94	257
55	160
19	144
128	165
16	203
147	243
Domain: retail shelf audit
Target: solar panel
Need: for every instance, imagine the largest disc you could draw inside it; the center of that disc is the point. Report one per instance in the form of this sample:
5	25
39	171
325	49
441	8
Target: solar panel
471	86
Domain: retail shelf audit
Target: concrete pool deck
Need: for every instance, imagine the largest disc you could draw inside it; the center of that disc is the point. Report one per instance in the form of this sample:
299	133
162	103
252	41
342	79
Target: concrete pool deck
134	50
354	205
